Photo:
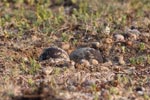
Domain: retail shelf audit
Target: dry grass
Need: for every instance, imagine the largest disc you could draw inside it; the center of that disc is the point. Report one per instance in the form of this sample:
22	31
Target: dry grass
29	26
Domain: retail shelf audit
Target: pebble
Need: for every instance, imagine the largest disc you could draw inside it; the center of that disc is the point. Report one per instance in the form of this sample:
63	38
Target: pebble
25	59
140	90
47	70
121	60
107	30
129	43
119	37
85	62
94	62
95	44
133	31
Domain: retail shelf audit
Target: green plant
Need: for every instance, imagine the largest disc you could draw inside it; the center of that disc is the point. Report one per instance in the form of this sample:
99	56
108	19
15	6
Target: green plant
140	60
148	59
34	66
113	90
75	42
146	97
57	71
96	97
65	37
142	46
132	60
123	49
94	87
42	13
30	82
23	67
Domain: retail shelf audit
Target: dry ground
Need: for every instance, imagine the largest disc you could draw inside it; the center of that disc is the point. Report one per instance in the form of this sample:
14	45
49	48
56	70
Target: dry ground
29	26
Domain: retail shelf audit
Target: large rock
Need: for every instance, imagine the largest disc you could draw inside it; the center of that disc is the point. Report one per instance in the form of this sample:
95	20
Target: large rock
86	53
54	55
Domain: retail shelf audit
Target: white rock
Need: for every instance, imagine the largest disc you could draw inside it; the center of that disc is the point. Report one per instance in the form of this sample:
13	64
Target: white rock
119	37
134	31
107	30
95	44
121	60
85	62
94	62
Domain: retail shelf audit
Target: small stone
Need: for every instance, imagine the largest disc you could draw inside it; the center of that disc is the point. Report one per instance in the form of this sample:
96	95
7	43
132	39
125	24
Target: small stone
107	30
25	59
47	70
95	44
140	90
134	31
129	43
119	37
94	62
116	68
103	68
85	62
121	60
72	63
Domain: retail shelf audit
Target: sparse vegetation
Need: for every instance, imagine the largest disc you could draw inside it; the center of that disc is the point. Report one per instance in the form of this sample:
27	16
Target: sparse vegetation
29	26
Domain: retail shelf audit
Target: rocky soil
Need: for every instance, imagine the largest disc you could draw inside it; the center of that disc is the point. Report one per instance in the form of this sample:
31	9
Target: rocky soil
74	50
